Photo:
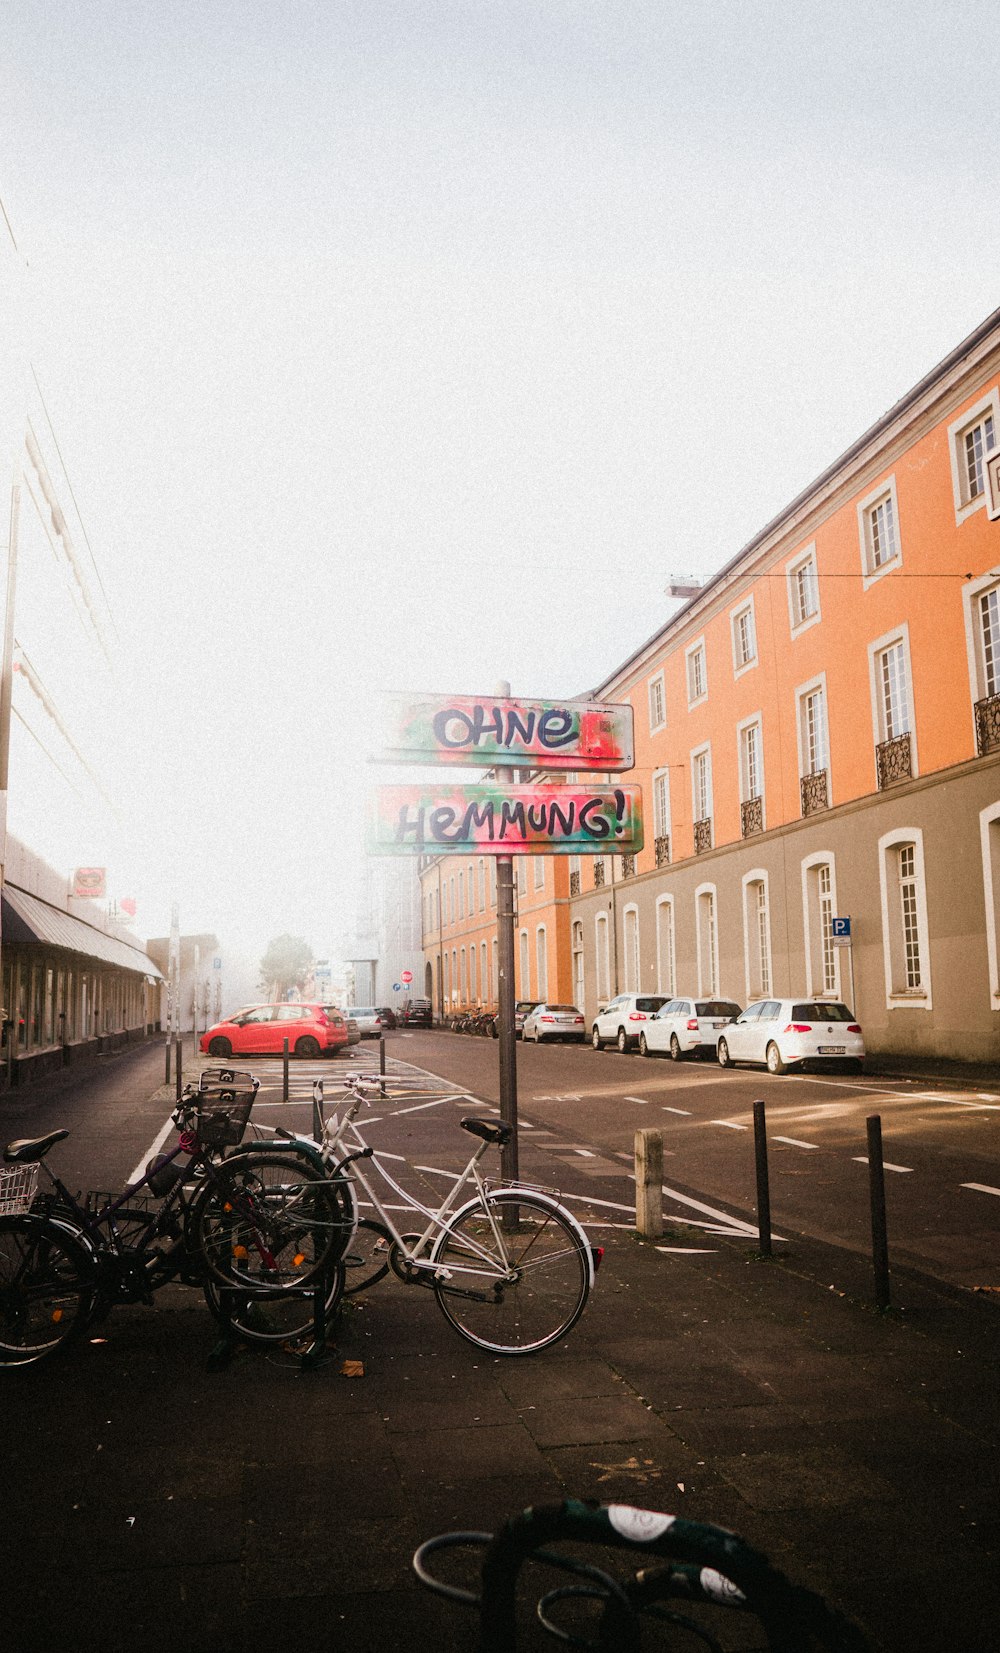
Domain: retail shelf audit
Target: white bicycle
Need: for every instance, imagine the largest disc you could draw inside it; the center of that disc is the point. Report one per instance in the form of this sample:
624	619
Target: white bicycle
511	1268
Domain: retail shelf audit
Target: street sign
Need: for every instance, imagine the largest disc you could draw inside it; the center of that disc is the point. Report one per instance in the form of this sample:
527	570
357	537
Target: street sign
499	819
840	932
406	975
396	987
216	964
484	730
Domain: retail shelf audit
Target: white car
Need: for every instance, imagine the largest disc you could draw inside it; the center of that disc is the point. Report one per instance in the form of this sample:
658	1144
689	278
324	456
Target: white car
683	1027
554	1021
623	1020
783	1033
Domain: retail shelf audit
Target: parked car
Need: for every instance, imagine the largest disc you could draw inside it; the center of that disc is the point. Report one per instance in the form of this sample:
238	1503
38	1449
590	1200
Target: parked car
388	1016
261	1030
353	1030
685	1027
371	1020
522	1008
620	1021
554	1021
783	1033
417	1013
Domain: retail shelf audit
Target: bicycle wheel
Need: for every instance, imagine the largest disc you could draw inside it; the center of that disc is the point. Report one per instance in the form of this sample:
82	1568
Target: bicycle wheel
266	1220
366	1260
46	1288
516	1303
274	1317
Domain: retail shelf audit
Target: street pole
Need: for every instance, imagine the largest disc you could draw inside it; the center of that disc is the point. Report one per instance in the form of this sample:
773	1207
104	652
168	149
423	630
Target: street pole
505	988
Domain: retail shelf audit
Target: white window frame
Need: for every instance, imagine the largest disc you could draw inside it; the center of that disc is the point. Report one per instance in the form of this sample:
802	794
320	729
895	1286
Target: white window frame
966	504
879	727
889	845
539	879
756	721
814	943
541	962
666	966
524	961
703	751
630	954
579	962
885	492
792	567
602	958
989	830
657	692
473	994
661	803
755	881
740	667
708	984
972	594
802	693
691	653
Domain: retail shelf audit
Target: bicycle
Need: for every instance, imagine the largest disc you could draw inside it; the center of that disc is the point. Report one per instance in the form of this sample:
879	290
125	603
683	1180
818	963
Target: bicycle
705	1567
511	1269
250	1234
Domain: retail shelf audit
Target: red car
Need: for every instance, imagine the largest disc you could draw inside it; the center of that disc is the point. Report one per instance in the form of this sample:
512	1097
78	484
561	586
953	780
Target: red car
261	1030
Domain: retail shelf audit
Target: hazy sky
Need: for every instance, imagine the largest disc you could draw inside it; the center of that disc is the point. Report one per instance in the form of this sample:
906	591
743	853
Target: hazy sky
415	344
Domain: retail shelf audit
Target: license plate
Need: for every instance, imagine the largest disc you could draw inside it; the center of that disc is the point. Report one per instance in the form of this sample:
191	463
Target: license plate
833	1050
718	1024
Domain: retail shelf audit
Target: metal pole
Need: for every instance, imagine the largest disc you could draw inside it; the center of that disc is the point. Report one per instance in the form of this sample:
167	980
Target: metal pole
166	1077
178	1064
505	988
876	1190
284	1070
318	1109
763	1185
381	1062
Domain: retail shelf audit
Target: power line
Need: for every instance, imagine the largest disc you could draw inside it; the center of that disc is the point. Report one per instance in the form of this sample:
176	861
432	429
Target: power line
10	228
72	495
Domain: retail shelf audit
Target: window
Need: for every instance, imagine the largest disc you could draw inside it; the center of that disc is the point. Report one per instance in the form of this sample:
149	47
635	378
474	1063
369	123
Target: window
697	672
756	935
540	877
701	797
812	730
982	627
483	983
972	437
524	991
904	919
603	957
665	950
578	962
892	713
878	529
473	996
803	591
575	868
522	875
631	936
989	827
818	908
708	941
657	704
454	976
661	816
751	775
541	963
893	692
461	895
744	638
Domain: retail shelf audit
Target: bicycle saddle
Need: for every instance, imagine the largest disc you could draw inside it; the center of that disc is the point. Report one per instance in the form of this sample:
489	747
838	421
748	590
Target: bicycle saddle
31	1148
489	1130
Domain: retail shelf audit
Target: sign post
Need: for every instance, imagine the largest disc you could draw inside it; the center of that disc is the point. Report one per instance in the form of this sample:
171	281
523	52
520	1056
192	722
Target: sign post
840	935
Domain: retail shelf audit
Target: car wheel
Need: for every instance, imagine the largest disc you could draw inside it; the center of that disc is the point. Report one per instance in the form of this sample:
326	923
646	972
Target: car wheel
219	1047
307	1046
595	1038
725	1060
622	1040
643	1047
675	1048
774	1062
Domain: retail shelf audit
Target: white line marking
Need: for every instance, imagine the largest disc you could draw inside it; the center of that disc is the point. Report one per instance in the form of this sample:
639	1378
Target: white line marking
862	1159
584	1153
730	1124
793	1142
421	1105
982	1188
687	1250
642	1100
980	1107
685	1111
154	1148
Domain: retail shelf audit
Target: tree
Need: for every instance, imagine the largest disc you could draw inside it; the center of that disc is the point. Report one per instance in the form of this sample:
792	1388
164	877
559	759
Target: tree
286	964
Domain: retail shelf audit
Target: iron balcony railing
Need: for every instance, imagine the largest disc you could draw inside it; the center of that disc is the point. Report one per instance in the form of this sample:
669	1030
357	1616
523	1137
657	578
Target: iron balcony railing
574	883
628	866
661	847
702	836
752	816
893	761
988	724
814	795
598	872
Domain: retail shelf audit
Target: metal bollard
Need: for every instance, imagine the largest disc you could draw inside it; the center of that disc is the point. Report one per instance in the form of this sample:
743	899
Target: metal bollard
166	1077
763	1185
876	1192
284	1070
178	1067
381	1062
649	1184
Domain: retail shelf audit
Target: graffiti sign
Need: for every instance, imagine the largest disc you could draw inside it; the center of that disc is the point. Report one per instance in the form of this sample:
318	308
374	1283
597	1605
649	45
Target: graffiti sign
485	730
506	820
90	882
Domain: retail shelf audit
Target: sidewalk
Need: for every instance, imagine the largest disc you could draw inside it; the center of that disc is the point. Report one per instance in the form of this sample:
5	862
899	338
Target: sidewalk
153	1504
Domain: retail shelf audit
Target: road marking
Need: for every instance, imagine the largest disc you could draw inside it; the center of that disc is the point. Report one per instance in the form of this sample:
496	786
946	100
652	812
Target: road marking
982	1188
730	1124
435	1104
980	1107
793	1142
862	1159
685	1111
688	1250
642	1100
154	1148
584	1153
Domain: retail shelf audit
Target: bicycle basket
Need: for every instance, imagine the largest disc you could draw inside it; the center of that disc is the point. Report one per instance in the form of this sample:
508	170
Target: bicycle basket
222	1112
17	1187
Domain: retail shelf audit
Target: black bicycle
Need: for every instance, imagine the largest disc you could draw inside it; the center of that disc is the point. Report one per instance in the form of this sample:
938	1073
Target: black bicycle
258	1231
690	1573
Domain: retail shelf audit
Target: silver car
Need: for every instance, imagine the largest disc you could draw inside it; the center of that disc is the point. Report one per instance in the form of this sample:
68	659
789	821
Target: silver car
554	1021
371	1022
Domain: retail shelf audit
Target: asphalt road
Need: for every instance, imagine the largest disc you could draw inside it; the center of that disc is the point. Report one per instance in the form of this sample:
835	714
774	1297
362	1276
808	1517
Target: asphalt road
941	1147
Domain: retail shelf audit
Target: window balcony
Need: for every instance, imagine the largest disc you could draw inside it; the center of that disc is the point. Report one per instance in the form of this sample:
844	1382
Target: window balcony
702	836
752	817
598	872
628	866
988	725
661	847
893	759
574	883
814	793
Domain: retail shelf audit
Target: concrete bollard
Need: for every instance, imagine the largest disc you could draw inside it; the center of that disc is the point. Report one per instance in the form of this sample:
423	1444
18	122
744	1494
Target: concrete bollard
649	1184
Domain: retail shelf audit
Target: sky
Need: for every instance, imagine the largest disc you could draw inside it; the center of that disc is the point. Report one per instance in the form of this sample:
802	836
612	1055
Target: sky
416	344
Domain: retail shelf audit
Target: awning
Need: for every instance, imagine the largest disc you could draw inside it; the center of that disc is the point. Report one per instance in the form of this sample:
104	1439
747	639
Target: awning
26	918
